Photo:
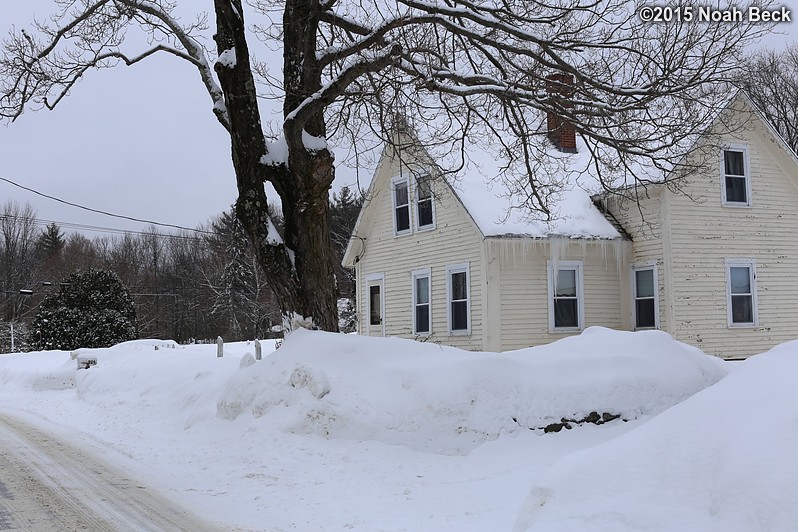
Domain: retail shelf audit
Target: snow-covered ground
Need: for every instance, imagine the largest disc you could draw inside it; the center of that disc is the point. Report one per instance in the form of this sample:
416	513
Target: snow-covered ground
341	432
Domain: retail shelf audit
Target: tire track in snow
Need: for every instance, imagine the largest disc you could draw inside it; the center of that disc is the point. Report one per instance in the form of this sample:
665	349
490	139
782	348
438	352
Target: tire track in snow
48	484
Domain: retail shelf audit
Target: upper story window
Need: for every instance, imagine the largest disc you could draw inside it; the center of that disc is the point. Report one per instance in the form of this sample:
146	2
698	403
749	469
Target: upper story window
736	177
401	206
425	210
566	302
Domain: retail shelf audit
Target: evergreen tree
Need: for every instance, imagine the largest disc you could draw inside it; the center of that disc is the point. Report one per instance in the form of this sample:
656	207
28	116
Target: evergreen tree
344	209
235	281
243	303
92	309
49	249
50	242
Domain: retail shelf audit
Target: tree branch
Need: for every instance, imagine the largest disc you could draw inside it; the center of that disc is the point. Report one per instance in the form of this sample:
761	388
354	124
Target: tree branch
32	72
328	94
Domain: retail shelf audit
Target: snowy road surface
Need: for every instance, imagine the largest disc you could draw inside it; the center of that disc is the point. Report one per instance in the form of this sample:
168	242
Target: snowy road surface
47	484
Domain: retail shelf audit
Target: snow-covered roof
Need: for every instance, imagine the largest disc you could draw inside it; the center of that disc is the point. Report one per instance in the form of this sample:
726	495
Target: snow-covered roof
497	204
498	211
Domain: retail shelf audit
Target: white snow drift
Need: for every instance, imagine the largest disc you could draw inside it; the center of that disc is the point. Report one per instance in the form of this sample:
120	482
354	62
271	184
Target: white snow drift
724	460
339	432
443	399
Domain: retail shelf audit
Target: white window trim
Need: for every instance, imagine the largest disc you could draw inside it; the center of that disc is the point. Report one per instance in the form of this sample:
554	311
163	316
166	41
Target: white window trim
372	278
451	269
751	263
431	226
636	268
747	169
396	180
578	266
420	274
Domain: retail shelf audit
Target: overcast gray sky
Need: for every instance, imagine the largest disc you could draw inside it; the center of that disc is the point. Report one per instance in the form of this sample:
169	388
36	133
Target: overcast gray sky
138	141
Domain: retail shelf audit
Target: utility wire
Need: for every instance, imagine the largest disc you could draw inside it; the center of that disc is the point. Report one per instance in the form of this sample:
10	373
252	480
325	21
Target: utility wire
99	229
99	211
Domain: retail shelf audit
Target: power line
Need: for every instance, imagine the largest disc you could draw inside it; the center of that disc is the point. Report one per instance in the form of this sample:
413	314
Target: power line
99	229
65	202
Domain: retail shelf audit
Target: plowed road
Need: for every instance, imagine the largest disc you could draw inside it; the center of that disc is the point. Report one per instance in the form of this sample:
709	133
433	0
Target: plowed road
48	485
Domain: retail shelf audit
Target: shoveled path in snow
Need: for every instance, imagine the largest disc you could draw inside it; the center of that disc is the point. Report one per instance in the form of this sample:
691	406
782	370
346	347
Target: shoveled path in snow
48	484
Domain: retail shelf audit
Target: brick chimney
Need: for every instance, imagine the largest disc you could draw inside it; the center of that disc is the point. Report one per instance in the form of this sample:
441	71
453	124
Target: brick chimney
561	132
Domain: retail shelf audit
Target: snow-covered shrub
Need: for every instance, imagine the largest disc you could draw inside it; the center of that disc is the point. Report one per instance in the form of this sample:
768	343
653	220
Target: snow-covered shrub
92	309
347	315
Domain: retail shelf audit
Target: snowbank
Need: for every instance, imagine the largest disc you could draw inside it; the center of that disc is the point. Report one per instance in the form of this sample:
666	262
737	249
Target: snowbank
724	460
445	400
334	432
145	371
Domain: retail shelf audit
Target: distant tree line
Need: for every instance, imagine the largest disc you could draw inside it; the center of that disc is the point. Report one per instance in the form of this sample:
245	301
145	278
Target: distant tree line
185	285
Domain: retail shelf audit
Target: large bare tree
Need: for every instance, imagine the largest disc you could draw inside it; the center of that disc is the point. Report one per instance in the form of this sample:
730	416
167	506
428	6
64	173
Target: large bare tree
459	71
17	256
771	80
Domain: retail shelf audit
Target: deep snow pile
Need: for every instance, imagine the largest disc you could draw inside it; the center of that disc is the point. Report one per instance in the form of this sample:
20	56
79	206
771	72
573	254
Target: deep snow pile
446	400
138	371
723	460
340	432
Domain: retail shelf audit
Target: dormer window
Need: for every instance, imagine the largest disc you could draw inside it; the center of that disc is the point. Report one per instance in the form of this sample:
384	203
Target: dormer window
736	178
425	215
401	207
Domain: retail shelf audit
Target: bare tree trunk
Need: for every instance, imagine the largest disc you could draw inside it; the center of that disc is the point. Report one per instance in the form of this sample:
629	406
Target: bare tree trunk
299	265
307	230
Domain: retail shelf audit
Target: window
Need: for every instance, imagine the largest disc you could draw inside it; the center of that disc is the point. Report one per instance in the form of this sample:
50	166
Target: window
741	292
457	291
645	297
566	309
401	207
422	316
736	181
425	215
375	305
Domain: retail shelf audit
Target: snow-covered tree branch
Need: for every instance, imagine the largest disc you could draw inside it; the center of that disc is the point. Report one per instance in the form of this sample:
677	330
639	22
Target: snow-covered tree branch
40	69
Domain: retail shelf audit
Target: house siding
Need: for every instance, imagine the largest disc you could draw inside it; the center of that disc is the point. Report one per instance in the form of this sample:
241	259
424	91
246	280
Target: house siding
689	235
643	220
455	240
521	286
704	233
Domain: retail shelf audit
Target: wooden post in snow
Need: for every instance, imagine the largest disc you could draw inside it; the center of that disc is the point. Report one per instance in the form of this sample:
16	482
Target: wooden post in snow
258	350
219	347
